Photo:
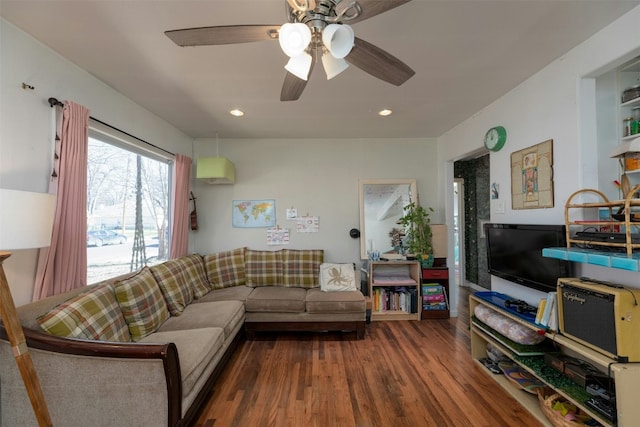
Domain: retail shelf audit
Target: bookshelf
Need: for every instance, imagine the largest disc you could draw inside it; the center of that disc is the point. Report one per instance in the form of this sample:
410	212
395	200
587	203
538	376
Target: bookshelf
435	293
394	289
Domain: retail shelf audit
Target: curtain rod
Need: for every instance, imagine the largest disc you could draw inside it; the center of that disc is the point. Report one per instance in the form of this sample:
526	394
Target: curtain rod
53	102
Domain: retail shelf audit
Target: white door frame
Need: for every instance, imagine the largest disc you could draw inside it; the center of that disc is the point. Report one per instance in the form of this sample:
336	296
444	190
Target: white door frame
458	184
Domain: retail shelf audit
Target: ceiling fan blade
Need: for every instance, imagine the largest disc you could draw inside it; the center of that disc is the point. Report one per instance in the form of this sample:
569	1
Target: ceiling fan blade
293	87
379	63
225	34
370	8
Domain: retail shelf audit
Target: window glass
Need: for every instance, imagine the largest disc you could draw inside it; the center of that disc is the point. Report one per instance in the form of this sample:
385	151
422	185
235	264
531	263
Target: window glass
128	206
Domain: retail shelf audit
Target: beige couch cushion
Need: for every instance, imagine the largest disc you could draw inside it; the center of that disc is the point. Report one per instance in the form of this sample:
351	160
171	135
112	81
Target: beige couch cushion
276	299
335	302
219	314
196	347
237	293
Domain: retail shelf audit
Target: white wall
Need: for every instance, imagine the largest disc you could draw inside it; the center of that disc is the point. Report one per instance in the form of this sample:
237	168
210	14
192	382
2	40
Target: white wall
552	104
26	122
315	176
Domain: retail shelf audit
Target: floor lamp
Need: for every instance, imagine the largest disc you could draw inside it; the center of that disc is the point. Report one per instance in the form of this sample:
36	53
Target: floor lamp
26	220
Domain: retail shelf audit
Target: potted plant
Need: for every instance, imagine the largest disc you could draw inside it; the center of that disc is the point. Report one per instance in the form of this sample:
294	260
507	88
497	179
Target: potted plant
417	224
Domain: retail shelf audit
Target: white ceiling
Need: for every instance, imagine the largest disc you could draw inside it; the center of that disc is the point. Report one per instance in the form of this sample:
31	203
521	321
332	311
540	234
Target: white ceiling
466	54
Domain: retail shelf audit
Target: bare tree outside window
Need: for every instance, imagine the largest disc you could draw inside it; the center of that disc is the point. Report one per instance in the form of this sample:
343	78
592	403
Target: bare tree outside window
127	211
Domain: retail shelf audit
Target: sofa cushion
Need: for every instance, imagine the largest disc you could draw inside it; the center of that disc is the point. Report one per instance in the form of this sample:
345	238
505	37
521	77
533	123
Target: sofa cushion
175	287
226	268
263	268
196	275
335	302
142	304
196	348
91	315
337	277
216	314
276	299
235	293
301	268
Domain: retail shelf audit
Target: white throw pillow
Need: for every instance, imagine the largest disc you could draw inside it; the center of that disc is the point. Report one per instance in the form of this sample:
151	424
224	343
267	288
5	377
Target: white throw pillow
337	277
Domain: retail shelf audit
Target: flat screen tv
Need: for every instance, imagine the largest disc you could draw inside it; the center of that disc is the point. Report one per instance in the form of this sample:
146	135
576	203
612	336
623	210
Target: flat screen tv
514	253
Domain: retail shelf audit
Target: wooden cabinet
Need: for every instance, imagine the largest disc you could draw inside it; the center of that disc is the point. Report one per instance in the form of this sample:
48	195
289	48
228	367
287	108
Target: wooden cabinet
625	375
394	289
435	283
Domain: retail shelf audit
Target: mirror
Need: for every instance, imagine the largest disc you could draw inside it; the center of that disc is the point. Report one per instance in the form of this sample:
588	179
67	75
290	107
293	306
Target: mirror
381	206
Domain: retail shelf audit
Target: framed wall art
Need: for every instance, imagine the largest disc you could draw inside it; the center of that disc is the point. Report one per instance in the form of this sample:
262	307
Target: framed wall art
532	177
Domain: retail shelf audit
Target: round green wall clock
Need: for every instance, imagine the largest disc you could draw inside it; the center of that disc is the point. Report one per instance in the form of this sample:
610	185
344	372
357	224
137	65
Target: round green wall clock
495	138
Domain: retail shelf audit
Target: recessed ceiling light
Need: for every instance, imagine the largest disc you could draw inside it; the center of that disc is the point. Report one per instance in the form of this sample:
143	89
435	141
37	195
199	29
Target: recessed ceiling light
385	112
236	112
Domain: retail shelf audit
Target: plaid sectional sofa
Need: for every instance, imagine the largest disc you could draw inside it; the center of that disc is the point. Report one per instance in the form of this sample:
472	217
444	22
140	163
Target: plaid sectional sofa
146	348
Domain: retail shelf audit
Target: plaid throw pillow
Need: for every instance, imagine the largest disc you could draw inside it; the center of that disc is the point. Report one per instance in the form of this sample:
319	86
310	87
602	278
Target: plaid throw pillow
93	315
226	269
171	277
263	268
142	304
196	275
301	268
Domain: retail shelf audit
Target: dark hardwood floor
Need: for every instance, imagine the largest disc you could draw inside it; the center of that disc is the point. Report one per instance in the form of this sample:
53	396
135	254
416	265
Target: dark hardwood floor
404	373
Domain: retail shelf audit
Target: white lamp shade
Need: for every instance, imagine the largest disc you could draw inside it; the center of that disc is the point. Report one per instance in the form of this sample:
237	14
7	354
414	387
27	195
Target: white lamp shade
294	38
338	39
332	65
26	219
216	170
299	66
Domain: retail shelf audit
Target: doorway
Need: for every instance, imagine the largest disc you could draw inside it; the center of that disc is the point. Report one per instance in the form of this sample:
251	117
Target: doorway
473	199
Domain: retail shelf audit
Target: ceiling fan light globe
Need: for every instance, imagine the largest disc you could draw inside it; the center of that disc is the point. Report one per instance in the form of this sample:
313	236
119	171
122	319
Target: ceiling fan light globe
294	38
338	39
332	65
299	66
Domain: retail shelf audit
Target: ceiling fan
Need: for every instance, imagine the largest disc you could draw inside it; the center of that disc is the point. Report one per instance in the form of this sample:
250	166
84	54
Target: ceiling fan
316	29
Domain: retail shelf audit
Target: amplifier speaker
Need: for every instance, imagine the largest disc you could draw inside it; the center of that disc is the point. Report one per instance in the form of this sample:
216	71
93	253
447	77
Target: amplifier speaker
589	316
603	317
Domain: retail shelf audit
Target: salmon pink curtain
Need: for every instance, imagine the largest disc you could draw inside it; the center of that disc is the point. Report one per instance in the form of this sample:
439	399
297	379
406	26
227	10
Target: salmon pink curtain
180	217
63	266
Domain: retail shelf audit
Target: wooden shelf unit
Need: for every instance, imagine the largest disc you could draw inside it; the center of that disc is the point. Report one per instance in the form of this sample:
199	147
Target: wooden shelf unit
414	273
626	375
629	218
439	275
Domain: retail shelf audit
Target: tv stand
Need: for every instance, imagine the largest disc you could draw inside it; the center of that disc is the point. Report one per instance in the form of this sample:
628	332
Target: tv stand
625	375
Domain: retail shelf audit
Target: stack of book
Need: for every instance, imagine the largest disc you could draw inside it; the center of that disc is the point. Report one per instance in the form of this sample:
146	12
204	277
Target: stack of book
395	299
434	297
547	314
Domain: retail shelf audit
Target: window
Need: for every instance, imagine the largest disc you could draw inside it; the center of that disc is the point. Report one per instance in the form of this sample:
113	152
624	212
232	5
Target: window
128	204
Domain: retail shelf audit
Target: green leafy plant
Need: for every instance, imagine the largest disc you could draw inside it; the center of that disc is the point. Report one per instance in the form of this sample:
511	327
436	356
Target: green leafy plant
417	223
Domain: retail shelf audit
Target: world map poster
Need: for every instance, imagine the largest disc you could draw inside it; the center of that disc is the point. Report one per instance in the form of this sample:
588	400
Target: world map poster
253	213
